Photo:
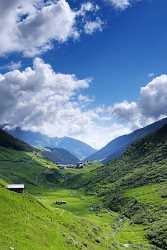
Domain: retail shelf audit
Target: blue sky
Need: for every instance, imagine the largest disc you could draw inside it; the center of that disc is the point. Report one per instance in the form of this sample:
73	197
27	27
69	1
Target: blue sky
131	45
126	52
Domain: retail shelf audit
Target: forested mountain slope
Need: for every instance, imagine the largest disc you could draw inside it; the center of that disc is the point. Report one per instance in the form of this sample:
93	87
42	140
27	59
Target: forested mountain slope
135	185
33	221
8	141
60	156
37	139
119	205
117	146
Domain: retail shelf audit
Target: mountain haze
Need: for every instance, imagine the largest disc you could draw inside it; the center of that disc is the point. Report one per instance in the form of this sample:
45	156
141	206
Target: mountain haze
117	146
56	155
79	149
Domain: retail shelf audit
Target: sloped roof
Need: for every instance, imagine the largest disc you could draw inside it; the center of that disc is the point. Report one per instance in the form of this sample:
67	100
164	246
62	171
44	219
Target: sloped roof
15	186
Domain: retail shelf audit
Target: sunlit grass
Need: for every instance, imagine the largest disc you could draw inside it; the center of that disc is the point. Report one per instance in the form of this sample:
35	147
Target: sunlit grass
150	194
35	222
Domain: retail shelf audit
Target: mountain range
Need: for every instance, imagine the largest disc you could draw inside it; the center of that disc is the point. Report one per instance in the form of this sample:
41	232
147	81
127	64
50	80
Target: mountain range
134	185
60	156
79	149
56	155
122	203
117	146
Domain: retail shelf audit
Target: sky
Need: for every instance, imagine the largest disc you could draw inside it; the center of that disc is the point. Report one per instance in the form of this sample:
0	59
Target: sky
92	70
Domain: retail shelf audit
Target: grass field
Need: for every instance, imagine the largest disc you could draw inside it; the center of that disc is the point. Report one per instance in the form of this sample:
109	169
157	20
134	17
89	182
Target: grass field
117	232
32	221
155	194
27	222
24	167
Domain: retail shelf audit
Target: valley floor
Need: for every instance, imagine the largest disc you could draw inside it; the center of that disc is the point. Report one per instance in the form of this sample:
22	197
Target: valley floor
36	222
33	220
117	232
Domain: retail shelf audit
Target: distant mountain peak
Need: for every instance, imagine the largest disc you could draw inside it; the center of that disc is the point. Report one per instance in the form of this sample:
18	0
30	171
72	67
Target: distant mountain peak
117	146
60	156
76	147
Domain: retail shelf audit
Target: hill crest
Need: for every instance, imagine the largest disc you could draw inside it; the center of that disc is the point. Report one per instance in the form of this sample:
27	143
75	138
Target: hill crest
116	147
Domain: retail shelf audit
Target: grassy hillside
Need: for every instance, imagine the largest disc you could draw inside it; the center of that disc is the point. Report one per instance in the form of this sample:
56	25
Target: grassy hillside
122	205
117	232
134	185
56	155
34	221
28	224
119	145
78	148
24	167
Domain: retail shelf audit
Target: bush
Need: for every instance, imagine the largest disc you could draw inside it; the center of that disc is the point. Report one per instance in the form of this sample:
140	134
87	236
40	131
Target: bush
157	234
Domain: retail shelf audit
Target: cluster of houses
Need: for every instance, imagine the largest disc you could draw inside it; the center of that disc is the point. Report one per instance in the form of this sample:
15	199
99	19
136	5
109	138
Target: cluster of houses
79	165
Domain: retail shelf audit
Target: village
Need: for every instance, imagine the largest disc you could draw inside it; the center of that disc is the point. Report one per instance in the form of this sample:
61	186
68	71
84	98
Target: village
79	165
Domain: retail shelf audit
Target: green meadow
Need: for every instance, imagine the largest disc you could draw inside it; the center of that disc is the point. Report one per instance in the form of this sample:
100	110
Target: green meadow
34	221
154	194
117	232
117	206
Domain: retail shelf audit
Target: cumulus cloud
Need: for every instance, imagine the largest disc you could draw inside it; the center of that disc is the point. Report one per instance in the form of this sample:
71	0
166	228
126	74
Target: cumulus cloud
153	97
87	7
40	99
151	105
85	100
31	27
122	4
35	26
92	26
11	66
128	112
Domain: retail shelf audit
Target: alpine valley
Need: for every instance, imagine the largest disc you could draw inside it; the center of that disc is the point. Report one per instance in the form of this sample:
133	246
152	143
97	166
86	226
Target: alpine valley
119	204
83	125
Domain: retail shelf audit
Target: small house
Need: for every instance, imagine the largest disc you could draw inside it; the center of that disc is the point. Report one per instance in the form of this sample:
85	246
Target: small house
18	188
60	202
80	165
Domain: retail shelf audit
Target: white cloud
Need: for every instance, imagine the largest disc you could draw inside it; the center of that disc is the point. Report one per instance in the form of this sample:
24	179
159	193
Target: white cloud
87	7
99	136
121	4
32	26
11	66
151	105
38	89
151	75
35	26
153	97
128	112
92	26
84	100
40	99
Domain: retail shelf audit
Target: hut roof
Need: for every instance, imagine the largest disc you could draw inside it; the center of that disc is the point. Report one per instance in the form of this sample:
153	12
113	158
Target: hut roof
15	186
